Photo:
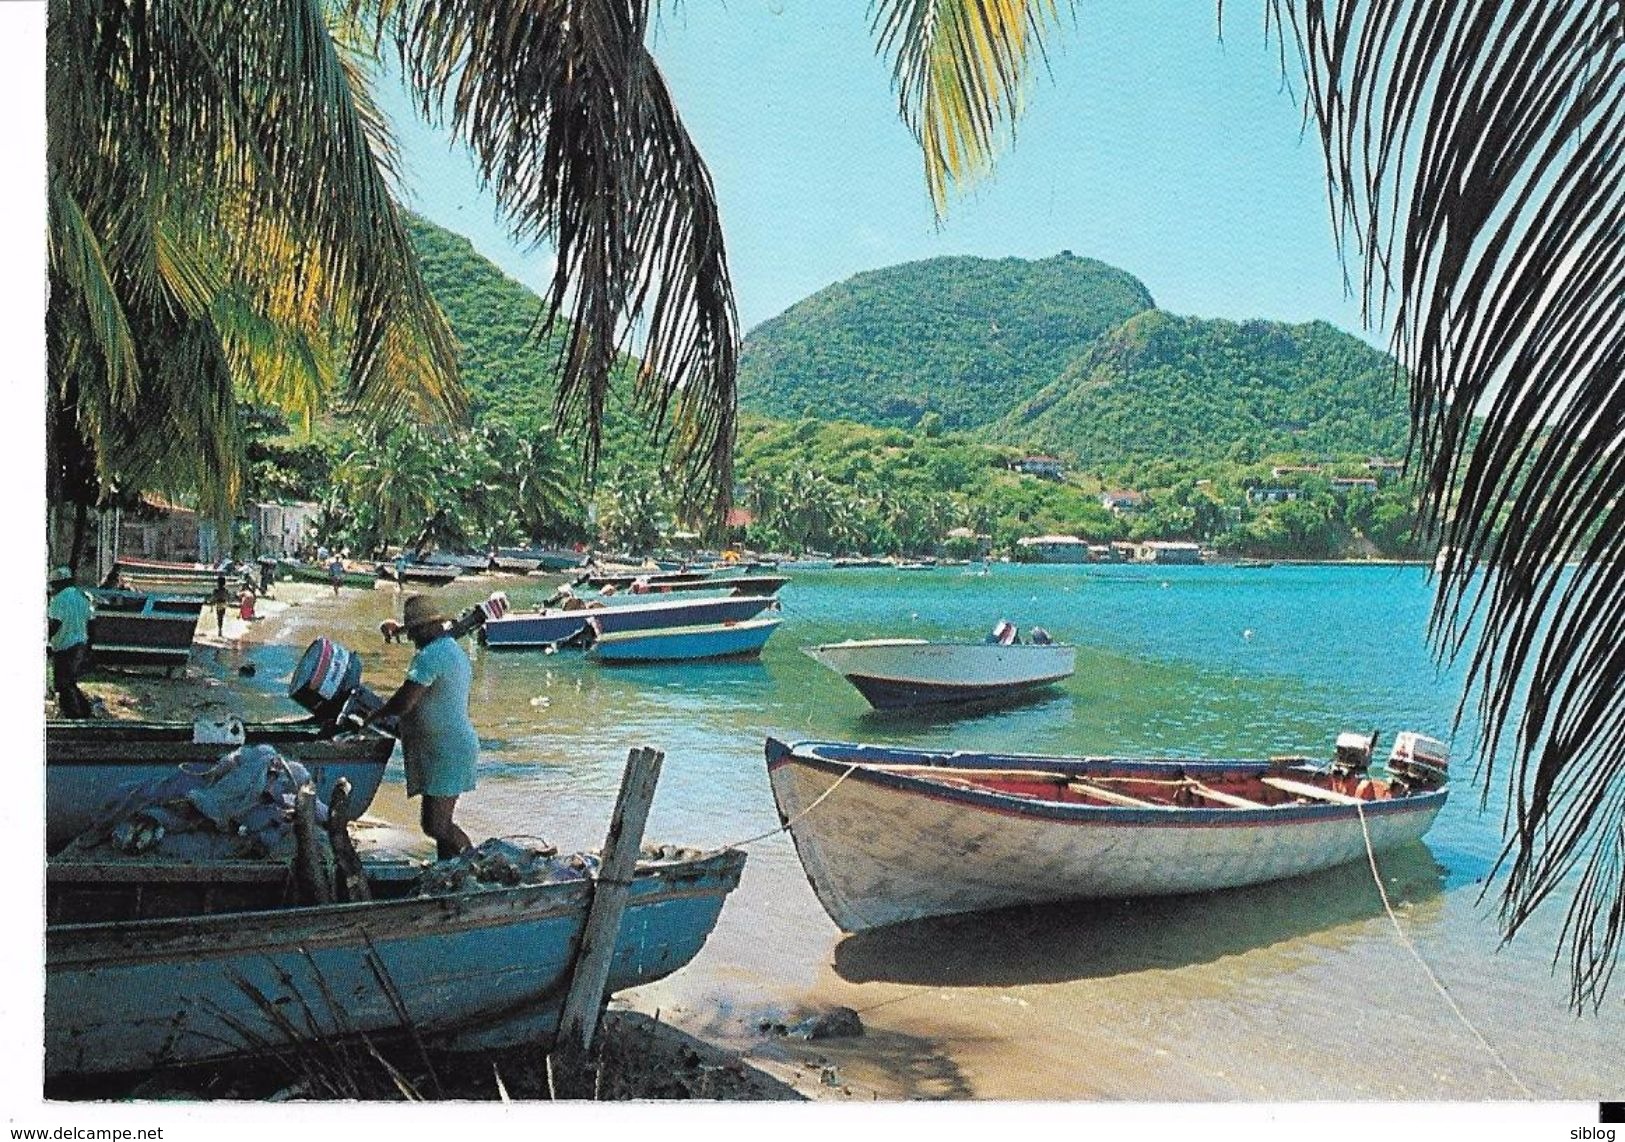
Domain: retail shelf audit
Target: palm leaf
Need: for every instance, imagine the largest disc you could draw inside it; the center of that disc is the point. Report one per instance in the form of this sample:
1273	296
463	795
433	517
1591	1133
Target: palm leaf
1476	157
573	130
960	68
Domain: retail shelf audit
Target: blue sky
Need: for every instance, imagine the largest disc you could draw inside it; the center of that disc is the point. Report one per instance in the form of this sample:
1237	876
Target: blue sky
1151	146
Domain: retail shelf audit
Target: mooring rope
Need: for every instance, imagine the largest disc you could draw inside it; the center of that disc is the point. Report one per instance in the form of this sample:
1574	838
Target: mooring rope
817	802
1371	858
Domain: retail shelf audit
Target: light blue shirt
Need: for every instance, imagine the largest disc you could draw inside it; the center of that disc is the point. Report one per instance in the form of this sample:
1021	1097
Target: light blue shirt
70	607
437	735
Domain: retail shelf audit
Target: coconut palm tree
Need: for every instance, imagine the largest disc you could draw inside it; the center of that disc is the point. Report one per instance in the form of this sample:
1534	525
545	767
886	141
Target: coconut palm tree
1475	155
221	224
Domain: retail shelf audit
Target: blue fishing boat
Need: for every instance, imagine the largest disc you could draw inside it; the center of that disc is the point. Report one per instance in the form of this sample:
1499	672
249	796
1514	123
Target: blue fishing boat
680	644
481	968
552	626
87	762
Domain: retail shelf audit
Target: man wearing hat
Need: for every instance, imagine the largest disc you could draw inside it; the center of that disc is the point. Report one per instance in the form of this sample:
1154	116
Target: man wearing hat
68	625
437	735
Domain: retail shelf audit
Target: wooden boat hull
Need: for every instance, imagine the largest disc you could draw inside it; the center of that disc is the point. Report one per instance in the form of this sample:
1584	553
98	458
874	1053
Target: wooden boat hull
132	628
897	674
420	574
166	578
86	763
655	579
483	968
885	847
684	644
765	585
530	629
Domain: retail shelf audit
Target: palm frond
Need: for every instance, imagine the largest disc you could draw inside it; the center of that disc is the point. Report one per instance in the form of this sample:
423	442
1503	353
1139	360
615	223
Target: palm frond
573	130
960	69
1475	152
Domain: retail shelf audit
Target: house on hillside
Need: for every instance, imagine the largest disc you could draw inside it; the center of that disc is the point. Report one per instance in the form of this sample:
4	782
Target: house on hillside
1385	470
1055	548
1122	502
1282	471
1049	467
1169	551
1347	484
1272	495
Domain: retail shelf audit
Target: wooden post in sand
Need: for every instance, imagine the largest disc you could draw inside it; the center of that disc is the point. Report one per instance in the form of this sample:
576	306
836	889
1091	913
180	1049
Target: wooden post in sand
585	1001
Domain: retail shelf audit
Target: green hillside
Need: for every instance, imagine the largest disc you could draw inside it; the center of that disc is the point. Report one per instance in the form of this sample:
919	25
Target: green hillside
510	378
1160	386
966	338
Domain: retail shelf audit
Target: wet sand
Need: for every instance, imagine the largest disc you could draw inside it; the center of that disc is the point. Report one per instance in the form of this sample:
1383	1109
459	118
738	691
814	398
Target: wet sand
1302	990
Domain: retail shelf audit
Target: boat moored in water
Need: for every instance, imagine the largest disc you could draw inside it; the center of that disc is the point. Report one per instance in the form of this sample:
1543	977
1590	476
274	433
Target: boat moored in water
888	835
743	639
552	626
903	673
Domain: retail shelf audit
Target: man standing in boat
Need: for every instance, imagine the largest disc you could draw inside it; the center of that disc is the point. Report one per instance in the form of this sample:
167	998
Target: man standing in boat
68	626
437	735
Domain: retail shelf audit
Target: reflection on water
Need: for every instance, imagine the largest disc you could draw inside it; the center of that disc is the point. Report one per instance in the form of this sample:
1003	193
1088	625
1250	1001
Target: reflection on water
1093	939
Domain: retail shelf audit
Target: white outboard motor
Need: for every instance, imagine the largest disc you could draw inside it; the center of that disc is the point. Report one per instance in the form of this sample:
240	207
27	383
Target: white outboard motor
1419	762
327	680
1351	756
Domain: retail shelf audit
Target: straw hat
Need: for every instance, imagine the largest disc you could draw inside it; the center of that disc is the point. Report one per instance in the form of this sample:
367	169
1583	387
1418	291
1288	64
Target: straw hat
62	574
420	610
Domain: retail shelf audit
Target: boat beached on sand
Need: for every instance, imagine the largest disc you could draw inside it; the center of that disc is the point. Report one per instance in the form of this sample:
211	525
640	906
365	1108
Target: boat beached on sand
478	968
890	835
902	673
134	628
88	762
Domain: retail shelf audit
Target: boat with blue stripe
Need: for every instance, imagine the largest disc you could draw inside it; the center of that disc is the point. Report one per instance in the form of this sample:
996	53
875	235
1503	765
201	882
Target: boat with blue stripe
683	644
887	834
519	630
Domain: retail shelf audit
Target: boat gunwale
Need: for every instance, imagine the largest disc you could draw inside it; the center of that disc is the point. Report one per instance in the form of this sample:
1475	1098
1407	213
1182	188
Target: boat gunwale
619	636
884	774
73	946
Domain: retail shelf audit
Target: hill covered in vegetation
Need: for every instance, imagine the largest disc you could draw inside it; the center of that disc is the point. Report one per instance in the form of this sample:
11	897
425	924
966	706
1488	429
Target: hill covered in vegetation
965	338
1160	387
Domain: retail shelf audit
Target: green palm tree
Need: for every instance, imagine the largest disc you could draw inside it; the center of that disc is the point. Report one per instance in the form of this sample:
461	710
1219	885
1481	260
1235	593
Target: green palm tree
221	224
1475	155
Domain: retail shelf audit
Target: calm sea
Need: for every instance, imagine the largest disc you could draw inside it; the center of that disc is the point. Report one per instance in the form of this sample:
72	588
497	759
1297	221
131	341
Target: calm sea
1302	989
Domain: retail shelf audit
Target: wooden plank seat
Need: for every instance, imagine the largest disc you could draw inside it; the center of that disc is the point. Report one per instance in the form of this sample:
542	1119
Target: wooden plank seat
1111	795
1313	792
1223	798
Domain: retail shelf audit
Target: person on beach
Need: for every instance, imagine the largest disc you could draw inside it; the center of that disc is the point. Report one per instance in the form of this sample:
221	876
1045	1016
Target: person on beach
220	599
437	735
245	602
68	627
335	573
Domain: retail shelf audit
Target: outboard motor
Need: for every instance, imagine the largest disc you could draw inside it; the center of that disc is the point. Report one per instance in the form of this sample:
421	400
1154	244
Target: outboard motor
1419	762
1351	756
327	680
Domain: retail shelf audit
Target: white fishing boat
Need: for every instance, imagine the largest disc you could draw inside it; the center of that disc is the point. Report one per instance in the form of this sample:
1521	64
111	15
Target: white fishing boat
888	835
901	673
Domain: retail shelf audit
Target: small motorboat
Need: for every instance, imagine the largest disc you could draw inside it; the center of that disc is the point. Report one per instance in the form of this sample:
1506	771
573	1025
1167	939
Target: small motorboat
903	673
551	627
888	835
743	639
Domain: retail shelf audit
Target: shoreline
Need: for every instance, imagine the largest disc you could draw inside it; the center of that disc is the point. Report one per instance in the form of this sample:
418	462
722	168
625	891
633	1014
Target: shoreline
646	1056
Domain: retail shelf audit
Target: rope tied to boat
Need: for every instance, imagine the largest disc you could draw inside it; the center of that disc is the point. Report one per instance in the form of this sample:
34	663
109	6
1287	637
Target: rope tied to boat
1371	859
819	800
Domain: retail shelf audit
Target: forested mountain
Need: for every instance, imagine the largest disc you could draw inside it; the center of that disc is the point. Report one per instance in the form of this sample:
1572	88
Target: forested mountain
966	338
1160	386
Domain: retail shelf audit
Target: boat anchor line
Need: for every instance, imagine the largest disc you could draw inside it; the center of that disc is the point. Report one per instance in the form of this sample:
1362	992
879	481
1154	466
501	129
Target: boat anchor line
819	800
1371	859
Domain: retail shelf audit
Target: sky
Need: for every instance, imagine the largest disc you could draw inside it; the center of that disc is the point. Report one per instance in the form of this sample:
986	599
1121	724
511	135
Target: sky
1151	145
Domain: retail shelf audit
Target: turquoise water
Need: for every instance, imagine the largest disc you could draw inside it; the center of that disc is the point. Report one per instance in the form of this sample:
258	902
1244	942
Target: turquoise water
1201	661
